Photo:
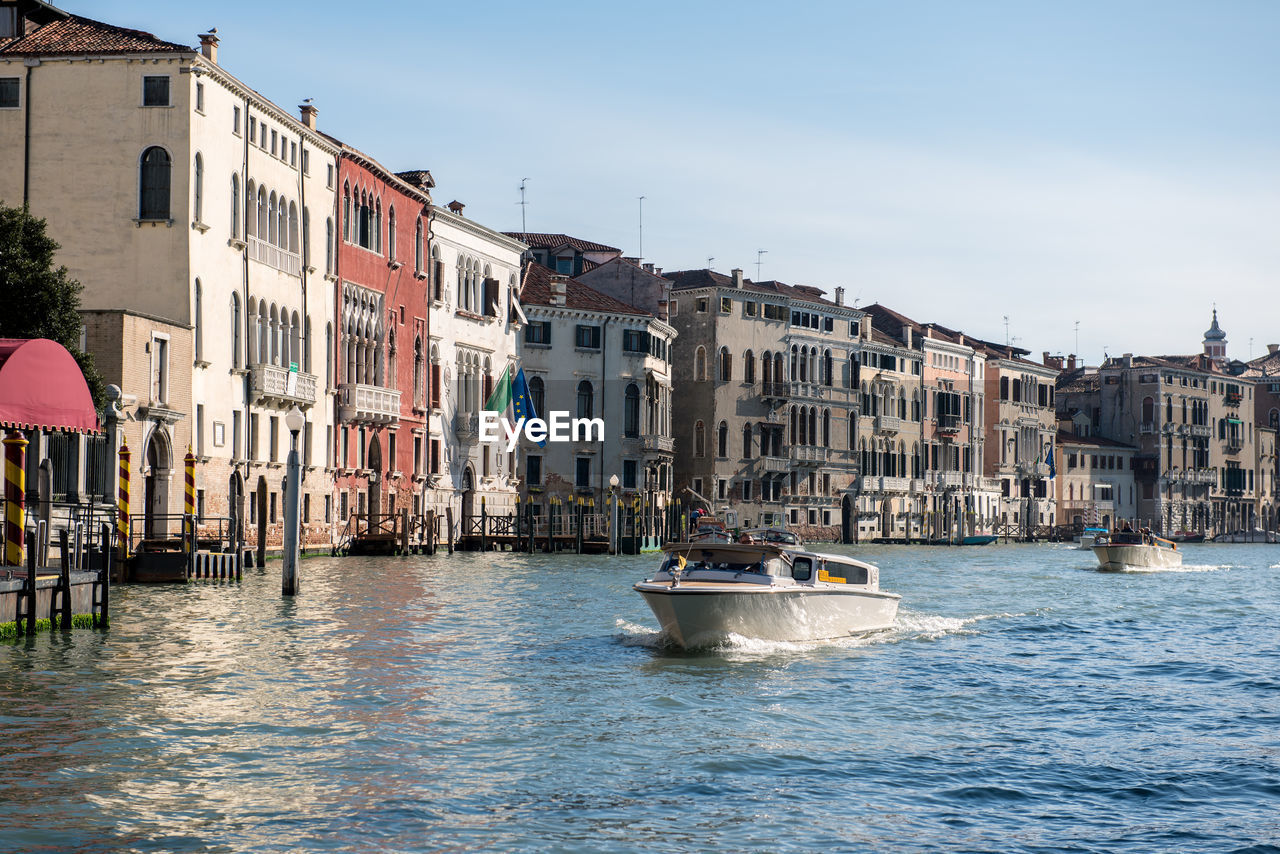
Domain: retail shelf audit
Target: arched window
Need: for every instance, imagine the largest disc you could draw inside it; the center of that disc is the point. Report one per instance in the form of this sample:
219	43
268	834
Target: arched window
826	428
853	428
746	441
537	396
293	227
586	400
250	210
915	405
295	342
197	190
235	205
306	237
377	226
346	212
198	331
700	363
153	184
391	233
699	439
262	214
827	368
1148	410
235	330
631	411
722	440
328	355
795	358
726	365
273	223
748	367
306	347
419	374
417	248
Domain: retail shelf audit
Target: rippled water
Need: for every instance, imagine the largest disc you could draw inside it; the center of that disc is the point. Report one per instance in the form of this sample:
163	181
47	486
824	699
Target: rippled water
505	703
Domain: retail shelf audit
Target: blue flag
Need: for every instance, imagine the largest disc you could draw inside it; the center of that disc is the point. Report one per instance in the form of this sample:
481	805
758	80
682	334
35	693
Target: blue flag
1053	471
522	402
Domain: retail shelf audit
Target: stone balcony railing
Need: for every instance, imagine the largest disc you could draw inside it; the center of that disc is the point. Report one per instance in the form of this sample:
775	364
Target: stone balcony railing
775	464
271	383
1199	430
273	256
368	404
888	424
895	484
917	485
813	391
779	390
949	424
466	426
665	444
808	454
948	479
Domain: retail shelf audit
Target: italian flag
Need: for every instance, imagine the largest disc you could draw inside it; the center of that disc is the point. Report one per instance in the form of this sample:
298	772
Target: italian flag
500	400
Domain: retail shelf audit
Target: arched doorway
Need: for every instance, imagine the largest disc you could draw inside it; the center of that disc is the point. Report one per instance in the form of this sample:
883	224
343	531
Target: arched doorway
375	472
886	519
235	507
847	523
468	493
261	521
156	504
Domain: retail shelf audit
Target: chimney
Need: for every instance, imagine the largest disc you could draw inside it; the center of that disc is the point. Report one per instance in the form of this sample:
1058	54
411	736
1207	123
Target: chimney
1052	361
737	277
456	207
1127	360
839	296
209	45
308	112
559	289
648	267
906	335
657	271
1071	362
1271	348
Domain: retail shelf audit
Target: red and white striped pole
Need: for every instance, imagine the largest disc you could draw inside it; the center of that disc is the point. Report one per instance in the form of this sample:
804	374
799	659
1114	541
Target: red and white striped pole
15	497
122	521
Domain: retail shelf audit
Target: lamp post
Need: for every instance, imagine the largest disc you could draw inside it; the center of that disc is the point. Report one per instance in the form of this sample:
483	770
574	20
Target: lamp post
292	490
613	528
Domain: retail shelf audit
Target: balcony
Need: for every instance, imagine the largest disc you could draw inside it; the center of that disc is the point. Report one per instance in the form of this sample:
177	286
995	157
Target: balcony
808	454
949	479
274	384
895	484
870	484
1233	398
773	465
813	391
368	404
1233	443
775	390
466	426
1202	431
273	256
656	444
917	486
949	424
1033	470
888	424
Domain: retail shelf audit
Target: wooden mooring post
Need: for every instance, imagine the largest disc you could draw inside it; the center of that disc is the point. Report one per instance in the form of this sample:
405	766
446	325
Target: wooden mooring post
404	530
60	601
528	526
100	598
431	532
448	524
484	526
581	517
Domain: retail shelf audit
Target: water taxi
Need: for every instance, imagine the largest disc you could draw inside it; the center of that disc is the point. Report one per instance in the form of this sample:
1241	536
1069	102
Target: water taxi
705	592
1134	549
1090	536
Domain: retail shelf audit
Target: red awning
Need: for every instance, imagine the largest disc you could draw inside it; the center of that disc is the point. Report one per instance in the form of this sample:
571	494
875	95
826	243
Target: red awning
41	387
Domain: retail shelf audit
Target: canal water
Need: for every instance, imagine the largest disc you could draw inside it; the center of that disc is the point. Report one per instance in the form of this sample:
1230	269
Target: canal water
524	704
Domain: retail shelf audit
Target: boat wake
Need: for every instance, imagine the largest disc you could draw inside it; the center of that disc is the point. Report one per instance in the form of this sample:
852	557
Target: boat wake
1186	567
909	626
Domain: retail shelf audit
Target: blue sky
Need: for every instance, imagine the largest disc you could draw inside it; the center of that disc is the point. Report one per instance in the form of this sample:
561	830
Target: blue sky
1110	163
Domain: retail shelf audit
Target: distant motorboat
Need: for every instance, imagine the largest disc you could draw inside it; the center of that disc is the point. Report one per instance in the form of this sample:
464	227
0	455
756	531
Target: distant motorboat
1187	537
1089	536
1132	549
1254	535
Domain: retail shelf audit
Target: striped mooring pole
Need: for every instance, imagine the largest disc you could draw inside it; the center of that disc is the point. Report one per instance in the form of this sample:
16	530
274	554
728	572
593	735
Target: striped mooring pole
15	496
189	504
122	520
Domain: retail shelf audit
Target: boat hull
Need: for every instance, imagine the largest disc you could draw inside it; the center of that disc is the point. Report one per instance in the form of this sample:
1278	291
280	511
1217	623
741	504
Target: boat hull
1120	557
696	617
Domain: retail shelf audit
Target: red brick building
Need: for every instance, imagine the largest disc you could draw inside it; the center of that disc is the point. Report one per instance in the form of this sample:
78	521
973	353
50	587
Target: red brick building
380	288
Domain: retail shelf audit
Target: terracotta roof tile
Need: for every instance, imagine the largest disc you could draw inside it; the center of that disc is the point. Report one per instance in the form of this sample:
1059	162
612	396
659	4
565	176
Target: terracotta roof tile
81	35
535	289
682	279
1065	437
539	240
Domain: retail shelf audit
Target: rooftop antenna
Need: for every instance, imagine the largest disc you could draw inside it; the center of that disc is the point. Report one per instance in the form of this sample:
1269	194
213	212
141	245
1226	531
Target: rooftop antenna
522	204
1077	337
1251	348
642	228
710	258
1006	330
760	253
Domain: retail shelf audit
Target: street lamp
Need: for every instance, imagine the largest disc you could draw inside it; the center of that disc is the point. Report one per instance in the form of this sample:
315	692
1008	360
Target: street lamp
613	528
294	421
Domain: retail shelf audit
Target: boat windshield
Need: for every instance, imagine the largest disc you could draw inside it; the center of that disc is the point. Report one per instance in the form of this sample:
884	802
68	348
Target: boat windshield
760	567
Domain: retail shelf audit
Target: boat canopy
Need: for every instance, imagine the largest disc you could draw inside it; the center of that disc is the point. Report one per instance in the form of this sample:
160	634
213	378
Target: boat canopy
724	552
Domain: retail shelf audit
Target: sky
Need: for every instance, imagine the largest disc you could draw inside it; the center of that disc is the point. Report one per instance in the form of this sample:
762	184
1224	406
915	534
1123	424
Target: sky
1009	169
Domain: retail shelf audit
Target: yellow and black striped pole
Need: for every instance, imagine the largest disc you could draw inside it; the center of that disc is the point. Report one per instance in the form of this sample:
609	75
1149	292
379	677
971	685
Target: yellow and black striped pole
15	496
189	504
122	521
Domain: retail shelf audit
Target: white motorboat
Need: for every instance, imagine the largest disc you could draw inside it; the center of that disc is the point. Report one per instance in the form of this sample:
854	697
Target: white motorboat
1090	536
706	592
1254	535
1131	549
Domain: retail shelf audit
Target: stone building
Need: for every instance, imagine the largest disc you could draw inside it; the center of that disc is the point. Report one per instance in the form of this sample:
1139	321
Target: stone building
1264	373
196	245
1094	486
767	377
475	322
588	355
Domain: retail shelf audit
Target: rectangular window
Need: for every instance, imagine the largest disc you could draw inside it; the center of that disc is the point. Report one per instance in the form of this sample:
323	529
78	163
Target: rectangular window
726	305
273	439
629	474
328	509
293	153
253	129
200	98
722	489
746	490
235	120
417	455
582	473
306	444
749	309
329	181
306	507
435	456
392	462
235	435
159	368
9	93
306	162
588	337
273	144
635	341
253	436
702	305
199	505
200	429
538	332
272	520
155	91
533	470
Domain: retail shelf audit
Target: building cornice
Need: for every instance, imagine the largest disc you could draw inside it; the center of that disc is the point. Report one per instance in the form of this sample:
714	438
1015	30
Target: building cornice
471	227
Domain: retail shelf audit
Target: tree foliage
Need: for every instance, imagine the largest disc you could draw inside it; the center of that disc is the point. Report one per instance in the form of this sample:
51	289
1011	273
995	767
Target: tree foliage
37	299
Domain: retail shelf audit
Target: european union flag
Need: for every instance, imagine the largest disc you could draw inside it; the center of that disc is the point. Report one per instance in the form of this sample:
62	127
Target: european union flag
1053	470
522	402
